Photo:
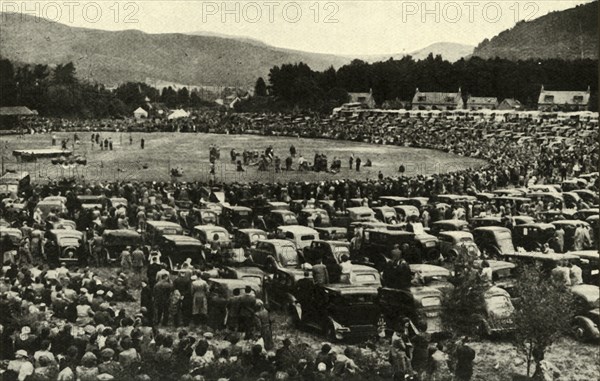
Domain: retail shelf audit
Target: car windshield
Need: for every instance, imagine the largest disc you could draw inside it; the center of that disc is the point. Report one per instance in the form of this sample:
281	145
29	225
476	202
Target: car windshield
257	237
223	236
68	241
288	217
499	305
288	256
505	243
502	274
340	251
170	231
308	237
431	301
365	278
252	278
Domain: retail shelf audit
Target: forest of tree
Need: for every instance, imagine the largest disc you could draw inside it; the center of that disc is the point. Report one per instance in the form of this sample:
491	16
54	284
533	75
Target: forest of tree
58	92
393	80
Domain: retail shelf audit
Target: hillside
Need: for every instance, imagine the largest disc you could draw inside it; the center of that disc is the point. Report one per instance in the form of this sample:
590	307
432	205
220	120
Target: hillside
450	51
115	57
568	34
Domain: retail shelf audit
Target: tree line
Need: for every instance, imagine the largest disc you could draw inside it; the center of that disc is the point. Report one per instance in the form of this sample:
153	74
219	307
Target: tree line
395	80
56	91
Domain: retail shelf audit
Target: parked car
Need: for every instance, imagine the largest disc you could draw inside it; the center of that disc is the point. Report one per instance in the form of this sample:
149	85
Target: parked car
276	218
583	214
155	230
176	249
496	314
249	273
477	222
532	237
494	241
448	225
503	274
273	254
451	242
355	214
301	236
590	265
319	216
587	312
422	305
431	276
297	205
281	288
115	241
378	245
51	206
220	292
93	201
339	311
247	238
405	212
332	233
237	217
385	214
392	201
209	233
69	244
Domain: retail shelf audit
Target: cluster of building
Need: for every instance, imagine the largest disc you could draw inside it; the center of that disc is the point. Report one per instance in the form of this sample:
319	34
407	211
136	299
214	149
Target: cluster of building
548	100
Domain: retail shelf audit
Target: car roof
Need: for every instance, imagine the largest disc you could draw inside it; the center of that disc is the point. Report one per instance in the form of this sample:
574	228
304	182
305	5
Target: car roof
66	233
251	230
278	242
569	222
233	282
494	290
587	291
210	228
251	270
451	222
360	209
298	229
122	232
492	229
282	211
538	255
541	225
182	239
164	224
586	254
349	289
236	207
430	270
333	243
497	265
457	234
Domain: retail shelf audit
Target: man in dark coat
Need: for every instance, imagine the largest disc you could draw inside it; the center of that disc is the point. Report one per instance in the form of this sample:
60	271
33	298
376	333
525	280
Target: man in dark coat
464	360
162	292
247	306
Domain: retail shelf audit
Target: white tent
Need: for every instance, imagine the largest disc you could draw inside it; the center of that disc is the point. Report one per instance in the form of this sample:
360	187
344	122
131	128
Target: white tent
178	114
140	113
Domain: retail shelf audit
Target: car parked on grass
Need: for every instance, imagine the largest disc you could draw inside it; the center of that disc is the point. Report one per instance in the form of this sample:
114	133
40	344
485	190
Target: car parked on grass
448	225
494	241
115	241
176	249
452	242
422	305
587	312
69	244
496	314
532	237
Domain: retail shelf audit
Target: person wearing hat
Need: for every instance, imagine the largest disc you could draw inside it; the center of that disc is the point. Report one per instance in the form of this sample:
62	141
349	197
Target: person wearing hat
87	370
284	358
45	369
21	368
26	340
108	365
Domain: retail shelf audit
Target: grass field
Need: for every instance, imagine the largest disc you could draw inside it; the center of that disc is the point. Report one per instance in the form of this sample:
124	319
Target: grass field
190	153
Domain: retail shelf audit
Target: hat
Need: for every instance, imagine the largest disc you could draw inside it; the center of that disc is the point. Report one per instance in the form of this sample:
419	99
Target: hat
208	335
105	377
26	330
83	290
321	367
100	292
21	354
89	329
107	353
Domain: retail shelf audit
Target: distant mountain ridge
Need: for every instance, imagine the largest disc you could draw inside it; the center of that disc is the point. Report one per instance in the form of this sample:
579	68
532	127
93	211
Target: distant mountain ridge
115	57
569	34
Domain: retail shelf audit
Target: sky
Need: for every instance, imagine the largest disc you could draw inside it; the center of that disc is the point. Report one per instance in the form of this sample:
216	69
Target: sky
353	28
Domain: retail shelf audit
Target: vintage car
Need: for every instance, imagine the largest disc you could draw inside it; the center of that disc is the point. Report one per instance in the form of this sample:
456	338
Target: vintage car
248	273
520	220
339	311
51	206
93	201
451	242
220	292
247	238
393	200
118	202
421	304
569	227
503	274
191	217
297	205
156	229
571	199
545	262
280	289
68	242
494	241
272	254
355	214
587	312
378	245
15	235
275	218
209	233
431	276
62	199
448	225
455	199
176	249
301	236
63	224
237	217
532	237
477	222
496	314
385	214
115	241
332	233
589	196
406	212
583	214
319	217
